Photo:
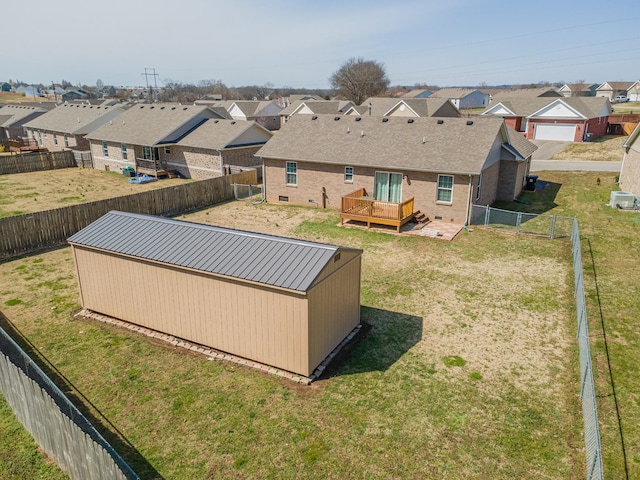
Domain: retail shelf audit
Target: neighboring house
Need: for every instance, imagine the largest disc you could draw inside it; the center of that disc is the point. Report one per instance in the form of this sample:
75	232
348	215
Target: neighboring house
74	94
630	170
265	113
194	141
464	98
286	303
578	89
314	107
571	119
500	95
14	116
418	93
439	167
29	91
612	89
66	126
5	87
405	107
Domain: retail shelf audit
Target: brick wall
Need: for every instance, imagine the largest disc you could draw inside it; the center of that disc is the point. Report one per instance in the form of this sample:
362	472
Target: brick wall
313	178
241	157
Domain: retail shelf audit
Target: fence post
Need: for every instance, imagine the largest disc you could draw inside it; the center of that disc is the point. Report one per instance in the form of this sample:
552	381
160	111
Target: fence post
553	226
486	216
518	222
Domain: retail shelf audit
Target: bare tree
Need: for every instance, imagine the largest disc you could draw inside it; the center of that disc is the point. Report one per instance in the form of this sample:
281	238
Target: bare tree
358	79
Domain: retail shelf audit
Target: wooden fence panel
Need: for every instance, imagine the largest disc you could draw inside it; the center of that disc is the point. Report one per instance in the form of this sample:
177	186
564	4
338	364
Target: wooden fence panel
24	233
38	161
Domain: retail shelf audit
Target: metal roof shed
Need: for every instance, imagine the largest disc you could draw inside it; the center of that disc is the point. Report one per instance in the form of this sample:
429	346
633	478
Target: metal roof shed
279	301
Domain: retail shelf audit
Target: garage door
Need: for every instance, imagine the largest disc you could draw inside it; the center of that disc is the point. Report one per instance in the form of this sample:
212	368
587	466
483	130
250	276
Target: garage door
564	132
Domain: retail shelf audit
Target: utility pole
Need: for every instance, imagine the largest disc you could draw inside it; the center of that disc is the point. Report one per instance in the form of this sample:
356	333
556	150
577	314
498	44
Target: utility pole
151	72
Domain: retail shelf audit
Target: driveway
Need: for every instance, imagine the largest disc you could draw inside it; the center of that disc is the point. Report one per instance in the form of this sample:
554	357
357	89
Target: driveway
547	149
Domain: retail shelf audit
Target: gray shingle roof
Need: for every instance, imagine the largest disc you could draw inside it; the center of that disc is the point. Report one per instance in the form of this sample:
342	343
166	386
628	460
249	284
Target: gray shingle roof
74	119
422	107
152	124
418	144
220	134
590	107
14	114
266	259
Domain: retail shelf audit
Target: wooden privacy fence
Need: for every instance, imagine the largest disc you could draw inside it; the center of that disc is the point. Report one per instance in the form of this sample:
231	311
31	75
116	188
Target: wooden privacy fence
54	422
23	233
34	162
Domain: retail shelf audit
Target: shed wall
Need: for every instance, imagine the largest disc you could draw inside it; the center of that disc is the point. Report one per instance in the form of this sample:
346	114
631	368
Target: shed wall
259	323
334	310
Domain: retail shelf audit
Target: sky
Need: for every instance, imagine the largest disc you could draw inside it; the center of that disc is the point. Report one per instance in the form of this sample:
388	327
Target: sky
300	43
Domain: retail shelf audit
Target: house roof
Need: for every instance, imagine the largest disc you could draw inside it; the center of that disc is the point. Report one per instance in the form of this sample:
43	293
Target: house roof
217	134
420	107
14	114
616	86
450	145
74	119
255	257
318	106
500	95
415	92
633	138
453	92
152	124
588	107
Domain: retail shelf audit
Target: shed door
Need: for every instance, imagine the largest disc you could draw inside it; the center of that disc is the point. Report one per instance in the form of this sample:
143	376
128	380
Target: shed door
564	132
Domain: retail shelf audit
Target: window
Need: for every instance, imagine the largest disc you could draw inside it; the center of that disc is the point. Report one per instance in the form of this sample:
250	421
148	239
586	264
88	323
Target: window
478	187
123	147
105	149
292	173
388	187
445	188
66	140
348	174
55	139
282	198
167	150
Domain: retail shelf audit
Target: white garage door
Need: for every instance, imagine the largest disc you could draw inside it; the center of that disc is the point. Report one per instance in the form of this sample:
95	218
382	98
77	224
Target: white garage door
564	132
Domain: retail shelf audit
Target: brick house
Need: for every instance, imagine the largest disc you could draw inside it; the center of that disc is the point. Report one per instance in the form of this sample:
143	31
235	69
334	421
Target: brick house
464	98
265	113
67	125
14	117
630	169
571	119
440	166
194	141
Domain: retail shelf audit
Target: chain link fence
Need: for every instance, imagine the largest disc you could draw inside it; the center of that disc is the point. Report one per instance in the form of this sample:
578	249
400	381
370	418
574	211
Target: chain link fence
553	226
247	192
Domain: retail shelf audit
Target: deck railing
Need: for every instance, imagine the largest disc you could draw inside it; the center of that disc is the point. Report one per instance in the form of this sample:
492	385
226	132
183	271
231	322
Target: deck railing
360	206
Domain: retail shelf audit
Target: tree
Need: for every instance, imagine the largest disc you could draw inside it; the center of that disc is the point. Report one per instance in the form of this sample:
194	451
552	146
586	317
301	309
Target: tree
358	79
99	83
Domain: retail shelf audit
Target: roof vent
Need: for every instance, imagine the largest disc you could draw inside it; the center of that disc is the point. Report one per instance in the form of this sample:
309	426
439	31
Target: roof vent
440	122
424	140
469	122
315	117
173	108
361	133
385	119
409	120
336	118
161	108
358	119
233	122
215	121
183	108
348	130
152	107
141	107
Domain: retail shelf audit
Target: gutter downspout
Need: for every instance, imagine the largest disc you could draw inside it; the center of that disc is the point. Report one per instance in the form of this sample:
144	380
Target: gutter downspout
264	185
467	219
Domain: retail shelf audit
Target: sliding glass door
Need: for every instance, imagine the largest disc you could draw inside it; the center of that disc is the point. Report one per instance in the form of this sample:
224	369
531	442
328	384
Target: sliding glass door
388	187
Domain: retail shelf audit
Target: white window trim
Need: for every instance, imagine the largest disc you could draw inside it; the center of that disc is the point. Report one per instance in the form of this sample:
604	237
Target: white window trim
105	150
287	173
123	151
438	188
347	180
167	150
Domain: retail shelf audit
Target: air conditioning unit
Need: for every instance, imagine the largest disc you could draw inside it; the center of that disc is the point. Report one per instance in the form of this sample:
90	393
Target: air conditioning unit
624	200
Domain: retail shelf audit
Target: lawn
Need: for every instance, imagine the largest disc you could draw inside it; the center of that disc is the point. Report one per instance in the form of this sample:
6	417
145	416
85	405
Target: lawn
31	192
605	148
610	242
469	369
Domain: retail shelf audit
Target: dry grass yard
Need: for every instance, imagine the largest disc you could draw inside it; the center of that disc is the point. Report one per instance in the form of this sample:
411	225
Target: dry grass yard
31	192
469	369
605	148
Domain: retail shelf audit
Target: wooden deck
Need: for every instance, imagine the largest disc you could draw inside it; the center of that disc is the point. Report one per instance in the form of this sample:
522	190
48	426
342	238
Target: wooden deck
360	207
